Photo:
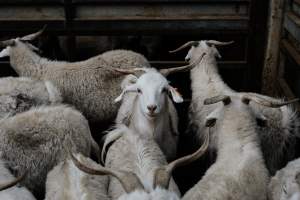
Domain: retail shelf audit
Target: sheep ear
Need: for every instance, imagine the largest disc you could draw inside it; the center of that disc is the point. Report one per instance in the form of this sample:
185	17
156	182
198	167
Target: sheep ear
176	96
5	52
129	88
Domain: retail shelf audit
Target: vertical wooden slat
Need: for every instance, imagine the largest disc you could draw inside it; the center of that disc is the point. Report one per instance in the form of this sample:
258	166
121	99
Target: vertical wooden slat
269	76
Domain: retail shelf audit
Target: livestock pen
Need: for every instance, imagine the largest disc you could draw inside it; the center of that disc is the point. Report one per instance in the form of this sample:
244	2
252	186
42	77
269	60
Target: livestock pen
264	58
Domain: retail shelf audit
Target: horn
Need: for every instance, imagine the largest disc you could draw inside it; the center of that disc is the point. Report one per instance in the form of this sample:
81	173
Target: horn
128	180
226	100
168	71
163	175
188	44
218	43
33	36
12	183
265	102
6	43
128	71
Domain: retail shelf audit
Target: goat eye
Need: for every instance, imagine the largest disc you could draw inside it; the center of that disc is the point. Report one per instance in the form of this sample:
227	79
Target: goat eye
139	90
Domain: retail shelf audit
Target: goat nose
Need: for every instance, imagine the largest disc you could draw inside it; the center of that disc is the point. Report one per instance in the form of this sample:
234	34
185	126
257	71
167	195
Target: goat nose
152	108
187	59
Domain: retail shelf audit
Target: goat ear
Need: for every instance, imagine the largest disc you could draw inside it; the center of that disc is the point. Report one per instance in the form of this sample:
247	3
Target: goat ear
211	119
176	96
129	88
5	52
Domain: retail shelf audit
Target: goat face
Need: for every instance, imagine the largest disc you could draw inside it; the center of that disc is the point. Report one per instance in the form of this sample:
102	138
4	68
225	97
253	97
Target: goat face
202	47
153	89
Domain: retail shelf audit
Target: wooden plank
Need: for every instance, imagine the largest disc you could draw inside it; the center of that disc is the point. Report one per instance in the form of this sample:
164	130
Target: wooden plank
269	75
292	25
160	1
290	51
162	12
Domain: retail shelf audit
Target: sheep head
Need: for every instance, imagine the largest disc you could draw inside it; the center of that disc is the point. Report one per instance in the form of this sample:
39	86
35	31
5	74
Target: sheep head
152	89
133	185
8	44
198	48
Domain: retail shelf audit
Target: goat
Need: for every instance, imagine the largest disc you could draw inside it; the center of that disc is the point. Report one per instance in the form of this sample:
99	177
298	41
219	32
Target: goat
20	94
276	137
38	139
138	168
65	181
8	188
285	185
88	85
149	111
239	171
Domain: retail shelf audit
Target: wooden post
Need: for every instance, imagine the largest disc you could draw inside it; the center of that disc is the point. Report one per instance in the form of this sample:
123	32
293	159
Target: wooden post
270	75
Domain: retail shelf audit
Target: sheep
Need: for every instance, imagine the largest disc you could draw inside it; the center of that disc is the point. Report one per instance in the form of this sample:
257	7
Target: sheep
239	171
285	185
89	85
8	188
20	94
276	137
149	111
67	182
138	168
38	139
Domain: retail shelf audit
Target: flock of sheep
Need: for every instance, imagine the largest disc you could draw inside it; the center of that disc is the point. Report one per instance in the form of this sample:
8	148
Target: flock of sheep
46	143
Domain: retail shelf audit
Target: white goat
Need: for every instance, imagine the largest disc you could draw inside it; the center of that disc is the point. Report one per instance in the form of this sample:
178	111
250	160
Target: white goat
89	85
285	185
149	111
8	188
37	140
139	170
21	94
276	137
239	171
67	182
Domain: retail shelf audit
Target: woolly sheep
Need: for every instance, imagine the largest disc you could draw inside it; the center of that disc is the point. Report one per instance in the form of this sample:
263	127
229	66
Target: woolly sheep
65	181
276	136
285	185
8	188
36	140
239	171
138	168
89	85
20	94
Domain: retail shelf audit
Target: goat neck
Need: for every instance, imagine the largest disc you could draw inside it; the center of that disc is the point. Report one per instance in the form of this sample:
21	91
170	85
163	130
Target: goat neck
25	61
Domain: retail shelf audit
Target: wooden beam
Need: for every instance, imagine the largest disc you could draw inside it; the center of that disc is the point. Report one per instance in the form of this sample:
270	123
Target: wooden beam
269	75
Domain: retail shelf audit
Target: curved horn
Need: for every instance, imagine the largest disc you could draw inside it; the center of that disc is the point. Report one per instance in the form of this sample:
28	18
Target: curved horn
226	100
163	175
128	180
12	183
188	44
266	102
128	71
6	43
168	71
218	43
33	36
